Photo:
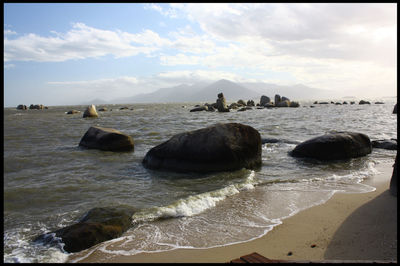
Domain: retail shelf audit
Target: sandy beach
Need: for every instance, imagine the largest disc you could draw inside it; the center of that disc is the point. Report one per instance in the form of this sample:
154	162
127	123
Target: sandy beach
360	226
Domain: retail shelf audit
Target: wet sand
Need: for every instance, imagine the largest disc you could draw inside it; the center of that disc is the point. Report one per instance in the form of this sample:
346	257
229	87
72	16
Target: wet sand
360	226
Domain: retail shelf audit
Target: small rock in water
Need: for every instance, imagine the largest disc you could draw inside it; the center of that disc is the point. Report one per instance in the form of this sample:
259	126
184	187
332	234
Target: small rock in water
290	253
313	246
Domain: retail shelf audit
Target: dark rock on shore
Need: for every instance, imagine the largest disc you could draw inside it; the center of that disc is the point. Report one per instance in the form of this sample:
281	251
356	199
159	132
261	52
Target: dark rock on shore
221	147
386	144
106	139
22	107
334	146
98	225
364	102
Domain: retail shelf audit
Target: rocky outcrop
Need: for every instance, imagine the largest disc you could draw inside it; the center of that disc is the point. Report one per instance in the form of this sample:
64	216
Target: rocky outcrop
277	99
106	139
221	147
90	111
364	102
241	103
334	146
285	103
221	103
387	144
22	107
250	103
36	106
98	225
264	100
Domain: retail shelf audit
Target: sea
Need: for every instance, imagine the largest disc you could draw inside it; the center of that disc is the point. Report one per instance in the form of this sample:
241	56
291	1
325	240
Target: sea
50	182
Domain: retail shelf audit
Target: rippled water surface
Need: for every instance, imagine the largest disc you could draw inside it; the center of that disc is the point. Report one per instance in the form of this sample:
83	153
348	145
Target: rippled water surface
50	182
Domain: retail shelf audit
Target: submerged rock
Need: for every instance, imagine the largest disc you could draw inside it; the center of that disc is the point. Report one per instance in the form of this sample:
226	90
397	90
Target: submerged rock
334	146
386	144
199	108
70	112
106	139
98	225
221	147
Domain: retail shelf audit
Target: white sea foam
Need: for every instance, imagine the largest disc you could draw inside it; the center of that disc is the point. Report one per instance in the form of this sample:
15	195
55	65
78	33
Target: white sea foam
194	204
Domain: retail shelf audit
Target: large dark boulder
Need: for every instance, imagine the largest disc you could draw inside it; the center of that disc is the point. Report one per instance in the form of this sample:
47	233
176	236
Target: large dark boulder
98	225
334	146
106	139
221	147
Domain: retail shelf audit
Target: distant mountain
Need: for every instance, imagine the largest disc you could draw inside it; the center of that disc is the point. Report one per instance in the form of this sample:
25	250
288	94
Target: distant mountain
94	101
232	92
294	92
202	92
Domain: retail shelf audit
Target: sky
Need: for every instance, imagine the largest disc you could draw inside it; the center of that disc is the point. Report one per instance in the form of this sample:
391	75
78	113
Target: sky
69	53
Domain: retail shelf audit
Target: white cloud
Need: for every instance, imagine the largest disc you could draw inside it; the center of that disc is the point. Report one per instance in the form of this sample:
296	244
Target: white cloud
9	32
79	43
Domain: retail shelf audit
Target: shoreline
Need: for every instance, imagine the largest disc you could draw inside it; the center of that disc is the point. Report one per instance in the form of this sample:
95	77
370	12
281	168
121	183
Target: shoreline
349	226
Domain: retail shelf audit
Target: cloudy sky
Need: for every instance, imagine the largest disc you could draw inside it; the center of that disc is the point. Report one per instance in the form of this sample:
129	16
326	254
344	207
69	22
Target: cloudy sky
59	54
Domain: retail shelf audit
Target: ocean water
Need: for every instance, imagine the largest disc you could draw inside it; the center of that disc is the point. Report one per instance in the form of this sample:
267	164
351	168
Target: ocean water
50	182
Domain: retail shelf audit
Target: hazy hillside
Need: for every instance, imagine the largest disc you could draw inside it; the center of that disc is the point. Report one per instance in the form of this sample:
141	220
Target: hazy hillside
202	92
232	92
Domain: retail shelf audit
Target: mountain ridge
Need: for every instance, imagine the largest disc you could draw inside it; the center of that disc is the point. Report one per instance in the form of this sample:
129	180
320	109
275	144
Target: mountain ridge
233	91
